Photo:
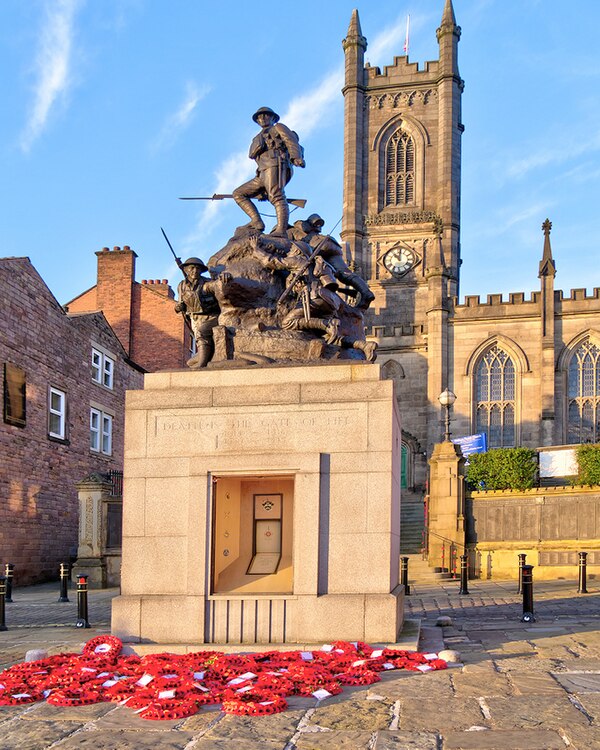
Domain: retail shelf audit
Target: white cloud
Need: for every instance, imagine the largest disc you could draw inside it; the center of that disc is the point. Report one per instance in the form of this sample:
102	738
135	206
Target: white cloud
560	151
52	64
312	109
518	217
176	122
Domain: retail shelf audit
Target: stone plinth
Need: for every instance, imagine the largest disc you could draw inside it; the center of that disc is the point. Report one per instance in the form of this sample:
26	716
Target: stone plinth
204	448
90	560
446	527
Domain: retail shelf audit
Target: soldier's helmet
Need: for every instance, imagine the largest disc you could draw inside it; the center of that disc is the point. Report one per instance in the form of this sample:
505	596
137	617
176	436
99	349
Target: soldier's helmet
265	111
195	262
316	221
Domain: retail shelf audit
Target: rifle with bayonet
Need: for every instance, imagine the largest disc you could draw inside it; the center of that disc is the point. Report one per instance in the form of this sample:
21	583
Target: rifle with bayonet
177	258
180	266
300	271
299	202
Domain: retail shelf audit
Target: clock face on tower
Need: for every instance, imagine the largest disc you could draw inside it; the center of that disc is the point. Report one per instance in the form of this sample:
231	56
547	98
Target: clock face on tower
399	260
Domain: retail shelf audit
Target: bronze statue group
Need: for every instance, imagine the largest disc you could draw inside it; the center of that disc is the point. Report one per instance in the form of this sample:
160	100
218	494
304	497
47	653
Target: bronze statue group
290	286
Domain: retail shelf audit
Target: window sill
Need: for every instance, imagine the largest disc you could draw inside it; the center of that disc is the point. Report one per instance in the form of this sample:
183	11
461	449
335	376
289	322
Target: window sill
55	439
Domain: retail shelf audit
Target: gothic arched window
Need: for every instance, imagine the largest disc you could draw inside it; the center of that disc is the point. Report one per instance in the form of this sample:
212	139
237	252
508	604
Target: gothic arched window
495	397
400	170
584	394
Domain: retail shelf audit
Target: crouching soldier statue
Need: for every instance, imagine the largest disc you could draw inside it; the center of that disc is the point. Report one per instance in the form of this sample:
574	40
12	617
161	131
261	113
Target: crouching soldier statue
197	302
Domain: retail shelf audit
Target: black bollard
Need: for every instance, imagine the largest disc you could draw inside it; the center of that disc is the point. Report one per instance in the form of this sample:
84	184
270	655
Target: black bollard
9	572
582	589
464	574
2	600
404	575
64	580
522	559
527	594
82	602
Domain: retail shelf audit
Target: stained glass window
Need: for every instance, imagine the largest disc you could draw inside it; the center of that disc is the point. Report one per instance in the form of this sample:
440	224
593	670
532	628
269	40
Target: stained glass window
584	394
400	170
495	395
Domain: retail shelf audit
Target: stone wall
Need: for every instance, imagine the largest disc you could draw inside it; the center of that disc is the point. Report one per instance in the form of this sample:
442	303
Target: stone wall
549	524
38	497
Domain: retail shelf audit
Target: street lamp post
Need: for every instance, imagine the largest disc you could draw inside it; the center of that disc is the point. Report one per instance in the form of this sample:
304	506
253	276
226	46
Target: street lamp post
446	399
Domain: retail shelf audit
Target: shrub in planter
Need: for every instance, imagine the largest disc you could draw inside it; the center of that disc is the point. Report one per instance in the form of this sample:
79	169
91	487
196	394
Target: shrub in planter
502	469
588	458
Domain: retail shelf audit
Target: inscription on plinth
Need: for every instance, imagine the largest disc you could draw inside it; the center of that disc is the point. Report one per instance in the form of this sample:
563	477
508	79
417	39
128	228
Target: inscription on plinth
244	430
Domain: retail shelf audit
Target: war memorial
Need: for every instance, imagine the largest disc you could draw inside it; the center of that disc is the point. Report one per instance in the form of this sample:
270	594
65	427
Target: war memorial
262	493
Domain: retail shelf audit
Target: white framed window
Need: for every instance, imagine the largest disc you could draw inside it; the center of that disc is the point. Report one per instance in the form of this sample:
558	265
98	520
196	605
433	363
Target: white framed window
103	368
101	428
57	413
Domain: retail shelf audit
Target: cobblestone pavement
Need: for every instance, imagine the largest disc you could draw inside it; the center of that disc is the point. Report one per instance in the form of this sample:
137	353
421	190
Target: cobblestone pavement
534	686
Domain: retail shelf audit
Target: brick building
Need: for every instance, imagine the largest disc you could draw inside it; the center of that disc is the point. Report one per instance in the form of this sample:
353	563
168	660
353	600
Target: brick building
141	314
525	370
64	380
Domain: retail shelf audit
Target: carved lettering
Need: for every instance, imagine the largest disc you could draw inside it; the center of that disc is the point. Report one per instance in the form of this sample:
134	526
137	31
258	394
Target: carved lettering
224	431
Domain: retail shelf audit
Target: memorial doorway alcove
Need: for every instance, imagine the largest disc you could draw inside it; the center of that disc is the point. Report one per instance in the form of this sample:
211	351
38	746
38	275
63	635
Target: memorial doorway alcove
252	535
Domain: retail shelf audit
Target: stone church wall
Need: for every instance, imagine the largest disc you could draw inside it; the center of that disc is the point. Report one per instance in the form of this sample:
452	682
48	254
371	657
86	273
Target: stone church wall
516	324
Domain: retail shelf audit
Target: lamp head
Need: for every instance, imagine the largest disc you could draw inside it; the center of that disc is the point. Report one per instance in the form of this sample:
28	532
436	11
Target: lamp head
447	398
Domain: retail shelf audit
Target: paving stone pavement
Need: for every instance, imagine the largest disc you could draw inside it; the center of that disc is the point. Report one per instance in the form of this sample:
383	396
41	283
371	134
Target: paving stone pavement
519	685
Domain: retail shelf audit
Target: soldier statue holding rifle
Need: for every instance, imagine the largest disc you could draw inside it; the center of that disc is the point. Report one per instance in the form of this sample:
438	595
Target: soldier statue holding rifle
276	148
199	306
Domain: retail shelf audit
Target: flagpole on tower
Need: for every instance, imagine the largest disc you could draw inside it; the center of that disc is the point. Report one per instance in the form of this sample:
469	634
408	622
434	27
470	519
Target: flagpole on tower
407	38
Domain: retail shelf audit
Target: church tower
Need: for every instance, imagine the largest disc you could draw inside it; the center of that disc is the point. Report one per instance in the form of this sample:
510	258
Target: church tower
401	227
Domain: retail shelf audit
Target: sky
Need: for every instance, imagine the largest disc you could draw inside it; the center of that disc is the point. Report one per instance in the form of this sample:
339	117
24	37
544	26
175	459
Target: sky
115	108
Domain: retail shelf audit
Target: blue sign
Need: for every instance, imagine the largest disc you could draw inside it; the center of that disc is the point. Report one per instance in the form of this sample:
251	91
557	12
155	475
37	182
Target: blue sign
472	444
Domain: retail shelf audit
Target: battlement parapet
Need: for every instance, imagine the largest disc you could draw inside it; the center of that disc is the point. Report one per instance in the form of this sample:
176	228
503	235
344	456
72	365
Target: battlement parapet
518	298
577	295
497	306
496	300
395	331
401	69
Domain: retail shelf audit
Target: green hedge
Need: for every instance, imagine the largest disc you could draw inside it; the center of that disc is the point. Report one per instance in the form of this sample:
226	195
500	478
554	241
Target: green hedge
588	458
502	469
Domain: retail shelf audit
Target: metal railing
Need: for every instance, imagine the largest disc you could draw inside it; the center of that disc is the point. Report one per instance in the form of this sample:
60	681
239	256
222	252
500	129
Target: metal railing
449	552
116	480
